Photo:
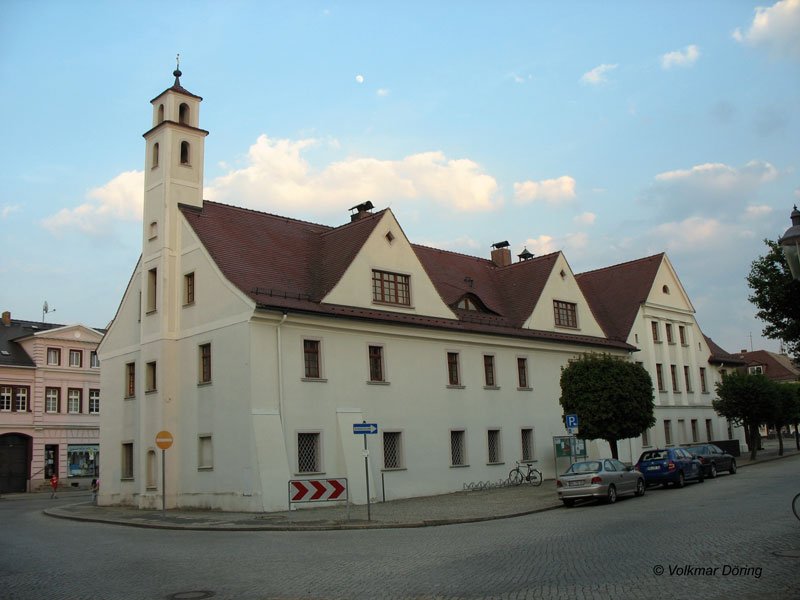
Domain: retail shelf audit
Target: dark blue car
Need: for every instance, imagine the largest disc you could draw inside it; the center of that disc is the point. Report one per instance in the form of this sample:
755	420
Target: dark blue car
669	466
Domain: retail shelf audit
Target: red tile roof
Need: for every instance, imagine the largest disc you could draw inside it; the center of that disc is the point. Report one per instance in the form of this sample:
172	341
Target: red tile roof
291	265
777	367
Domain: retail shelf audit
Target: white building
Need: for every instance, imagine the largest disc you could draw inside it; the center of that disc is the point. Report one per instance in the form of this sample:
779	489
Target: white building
259	340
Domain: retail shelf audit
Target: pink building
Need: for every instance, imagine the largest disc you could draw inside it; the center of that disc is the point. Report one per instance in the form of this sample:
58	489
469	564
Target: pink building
49	404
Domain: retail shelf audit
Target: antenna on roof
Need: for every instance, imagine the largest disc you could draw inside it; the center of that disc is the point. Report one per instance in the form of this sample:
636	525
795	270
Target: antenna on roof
46	309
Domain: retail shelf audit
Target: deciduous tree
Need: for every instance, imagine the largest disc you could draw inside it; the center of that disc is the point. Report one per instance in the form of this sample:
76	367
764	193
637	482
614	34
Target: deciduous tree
747	400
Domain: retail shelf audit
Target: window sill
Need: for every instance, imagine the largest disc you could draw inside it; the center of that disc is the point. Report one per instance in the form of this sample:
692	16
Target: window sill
394	304
685	345
150	392
130	397
127	479
309	474
151	488
314	379
495	464
570	327
390	469
205	468
378	383
204	383
452	386
188	304
662	391
657	342
524	389
491	387
151	312
458	466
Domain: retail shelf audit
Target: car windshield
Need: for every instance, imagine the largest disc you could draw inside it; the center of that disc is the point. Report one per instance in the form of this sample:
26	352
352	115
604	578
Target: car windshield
654	455
590	466
698	449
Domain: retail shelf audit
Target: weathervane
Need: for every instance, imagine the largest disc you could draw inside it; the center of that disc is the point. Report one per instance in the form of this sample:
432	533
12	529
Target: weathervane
177	71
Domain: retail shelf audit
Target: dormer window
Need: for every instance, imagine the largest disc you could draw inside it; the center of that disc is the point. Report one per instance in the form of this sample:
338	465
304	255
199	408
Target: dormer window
471	302
184	153
183	114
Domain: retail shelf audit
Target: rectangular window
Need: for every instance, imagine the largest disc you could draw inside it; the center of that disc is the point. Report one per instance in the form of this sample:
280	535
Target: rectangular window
660	378
488	370
654	327
703	386
21	394
205	452
669	333
308	453
76	358
188	289
458	448
204	370
494	448
667	432
709	431
94	402
687	380
565	314
376	363
673	371
130	380
127	460
52	400
526	433
150	377
453	376
152	289
695	432
645	438
6	393
392	450
522	372
74	400
682	334
54	357
391	288
311	359
94	360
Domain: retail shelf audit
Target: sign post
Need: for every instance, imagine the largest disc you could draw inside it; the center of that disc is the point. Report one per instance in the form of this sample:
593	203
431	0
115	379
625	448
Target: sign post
572	422
366	429
164	441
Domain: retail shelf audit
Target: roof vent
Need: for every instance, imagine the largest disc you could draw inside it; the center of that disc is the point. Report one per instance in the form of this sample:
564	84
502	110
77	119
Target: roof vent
501	253
362	210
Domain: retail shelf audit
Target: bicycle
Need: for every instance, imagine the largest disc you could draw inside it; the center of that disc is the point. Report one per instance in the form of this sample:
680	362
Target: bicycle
532	475
796	506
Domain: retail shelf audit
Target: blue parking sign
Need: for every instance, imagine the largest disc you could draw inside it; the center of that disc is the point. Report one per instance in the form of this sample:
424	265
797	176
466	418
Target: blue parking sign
571	421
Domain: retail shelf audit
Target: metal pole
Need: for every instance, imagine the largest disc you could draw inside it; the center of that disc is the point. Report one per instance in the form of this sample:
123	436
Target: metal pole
383	486
366	473
163	482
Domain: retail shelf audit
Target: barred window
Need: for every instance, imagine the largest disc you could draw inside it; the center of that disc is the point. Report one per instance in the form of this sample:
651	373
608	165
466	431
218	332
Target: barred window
127	460
494	447
488	370
311	358
565	313
52	397
392	288
188	289
452	369
458	450
522	371
308	453
376	363
205	363
392	450
527	443
130	380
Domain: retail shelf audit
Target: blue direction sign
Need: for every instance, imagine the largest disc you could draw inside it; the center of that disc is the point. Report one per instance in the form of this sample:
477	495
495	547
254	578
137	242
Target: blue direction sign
365	428
571	421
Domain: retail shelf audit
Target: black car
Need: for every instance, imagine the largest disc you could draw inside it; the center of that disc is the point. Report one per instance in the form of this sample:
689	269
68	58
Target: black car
713	459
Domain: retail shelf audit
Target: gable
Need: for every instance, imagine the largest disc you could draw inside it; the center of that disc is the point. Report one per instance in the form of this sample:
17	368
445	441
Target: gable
71	333
667	291
561	286
387	250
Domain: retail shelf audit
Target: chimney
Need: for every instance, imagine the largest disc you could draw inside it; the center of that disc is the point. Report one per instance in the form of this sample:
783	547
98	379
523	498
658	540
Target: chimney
7	318
501	254
363	210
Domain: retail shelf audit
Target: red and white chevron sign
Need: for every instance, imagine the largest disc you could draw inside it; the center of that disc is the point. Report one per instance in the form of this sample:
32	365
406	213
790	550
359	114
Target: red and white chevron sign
317	490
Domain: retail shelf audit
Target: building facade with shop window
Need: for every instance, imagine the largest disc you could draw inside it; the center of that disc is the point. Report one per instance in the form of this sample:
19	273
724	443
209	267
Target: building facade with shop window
49	404
258	341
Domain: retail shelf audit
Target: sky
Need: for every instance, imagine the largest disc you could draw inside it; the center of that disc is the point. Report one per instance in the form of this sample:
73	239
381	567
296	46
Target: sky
608	130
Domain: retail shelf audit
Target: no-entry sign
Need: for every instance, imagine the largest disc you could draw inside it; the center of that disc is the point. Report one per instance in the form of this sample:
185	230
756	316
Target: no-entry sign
164	440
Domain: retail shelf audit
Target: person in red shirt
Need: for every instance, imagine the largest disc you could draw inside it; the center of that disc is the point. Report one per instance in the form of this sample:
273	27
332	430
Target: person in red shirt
53	486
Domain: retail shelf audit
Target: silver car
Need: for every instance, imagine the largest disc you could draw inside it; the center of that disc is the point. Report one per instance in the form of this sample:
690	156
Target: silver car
602	479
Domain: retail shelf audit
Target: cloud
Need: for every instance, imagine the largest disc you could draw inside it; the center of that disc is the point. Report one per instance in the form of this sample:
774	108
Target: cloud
552	191
7	210
680	59
758	211
359	79
597	75
120	199
572	244
278	178
587	218
463	243
775	28
382	92
542	245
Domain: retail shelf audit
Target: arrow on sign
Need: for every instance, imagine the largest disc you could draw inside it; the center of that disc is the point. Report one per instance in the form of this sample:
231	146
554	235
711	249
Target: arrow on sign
317	490
365	428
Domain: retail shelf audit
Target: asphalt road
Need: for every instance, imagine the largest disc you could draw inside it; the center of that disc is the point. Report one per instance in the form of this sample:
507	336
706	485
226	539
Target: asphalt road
732	537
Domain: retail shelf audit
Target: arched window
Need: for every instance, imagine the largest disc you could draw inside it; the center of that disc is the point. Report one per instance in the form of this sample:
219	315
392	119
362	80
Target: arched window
160	113
155	155
184	153
183	114
665	289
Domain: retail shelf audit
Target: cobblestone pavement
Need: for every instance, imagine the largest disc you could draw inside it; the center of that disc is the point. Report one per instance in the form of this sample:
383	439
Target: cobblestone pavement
733	537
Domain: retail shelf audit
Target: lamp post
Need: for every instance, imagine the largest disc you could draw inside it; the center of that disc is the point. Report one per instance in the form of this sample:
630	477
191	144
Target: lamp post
790	243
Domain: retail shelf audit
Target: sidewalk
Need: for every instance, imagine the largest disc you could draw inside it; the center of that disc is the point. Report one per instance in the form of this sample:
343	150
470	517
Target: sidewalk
458	507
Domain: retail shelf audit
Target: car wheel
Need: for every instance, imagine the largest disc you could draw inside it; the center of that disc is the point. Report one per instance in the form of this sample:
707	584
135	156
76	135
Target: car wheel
732	470
611	496
569	503
681	480
713	471
640	487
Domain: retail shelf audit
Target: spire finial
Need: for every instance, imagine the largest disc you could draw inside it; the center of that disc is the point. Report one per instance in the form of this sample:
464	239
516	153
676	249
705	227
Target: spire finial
177	71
